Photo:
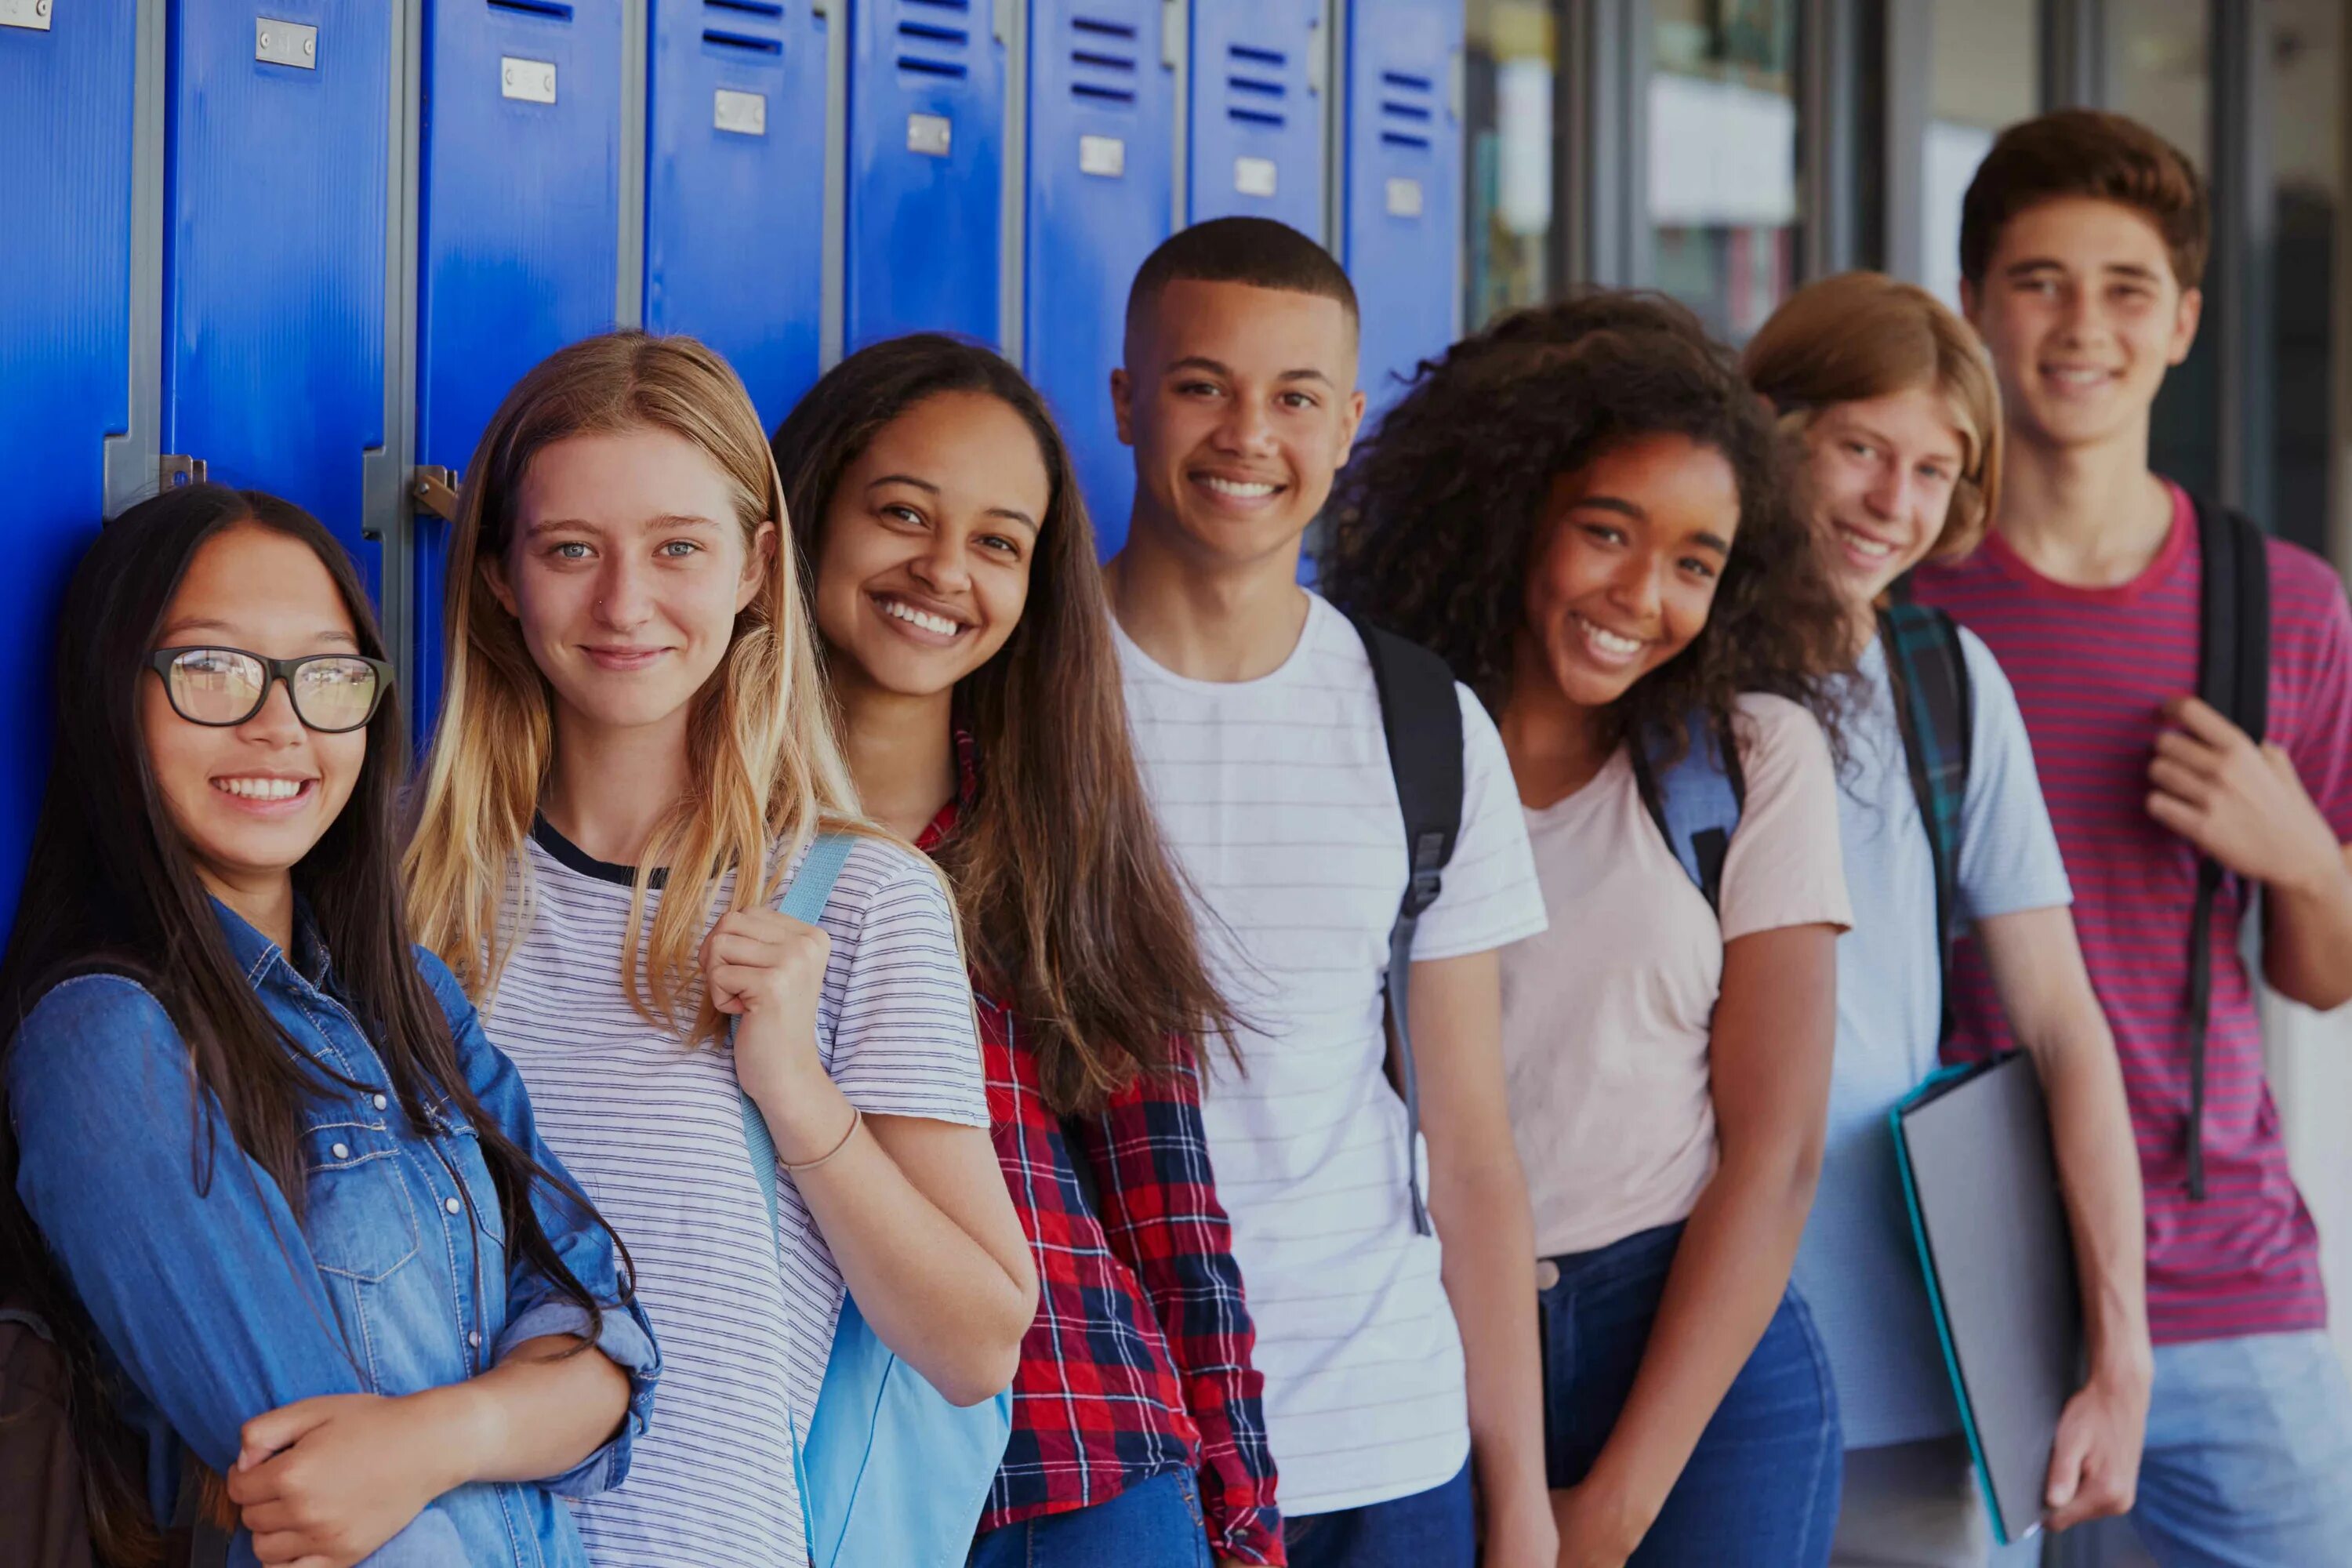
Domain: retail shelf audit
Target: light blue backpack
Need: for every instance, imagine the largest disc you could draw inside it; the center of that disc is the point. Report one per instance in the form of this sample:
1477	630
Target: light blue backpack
890	1472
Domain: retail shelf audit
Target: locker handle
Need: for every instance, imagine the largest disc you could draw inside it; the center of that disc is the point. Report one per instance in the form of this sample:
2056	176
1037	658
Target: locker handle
434	490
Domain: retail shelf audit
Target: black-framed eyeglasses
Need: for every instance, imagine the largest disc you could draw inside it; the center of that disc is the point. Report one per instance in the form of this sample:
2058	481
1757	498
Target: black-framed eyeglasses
333	693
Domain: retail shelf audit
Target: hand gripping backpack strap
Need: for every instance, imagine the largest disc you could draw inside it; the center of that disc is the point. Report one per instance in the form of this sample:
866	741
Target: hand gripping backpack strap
1421	719
2234	659
805	901
1696	799
1934	708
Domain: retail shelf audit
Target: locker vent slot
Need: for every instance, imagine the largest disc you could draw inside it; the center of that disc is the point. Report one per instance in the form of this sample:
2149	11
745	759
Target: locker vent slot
1255	92
932	40
1408	110
560	10
1102	61
712	36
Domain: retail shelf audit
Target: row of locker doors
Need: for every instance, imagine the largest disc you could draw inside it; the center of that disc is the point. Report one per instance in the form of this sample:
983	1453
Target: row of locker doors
307	245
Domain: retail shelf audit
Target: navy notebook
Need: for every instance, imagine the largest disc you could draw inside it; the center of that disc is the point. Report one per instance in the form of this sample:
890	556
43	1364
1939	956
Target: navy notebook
1974	1146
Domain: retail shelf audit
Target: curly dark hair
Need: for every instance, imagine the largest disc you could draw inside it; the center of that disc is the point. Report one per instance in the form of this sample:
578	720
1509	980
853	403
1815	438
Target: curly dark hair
1435	522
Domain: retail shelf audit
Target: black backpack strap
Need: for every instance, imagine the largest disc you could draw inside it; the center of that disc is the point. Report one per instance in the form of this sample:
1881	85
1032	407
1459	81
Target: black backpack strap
1421	720
1935	708
2233	667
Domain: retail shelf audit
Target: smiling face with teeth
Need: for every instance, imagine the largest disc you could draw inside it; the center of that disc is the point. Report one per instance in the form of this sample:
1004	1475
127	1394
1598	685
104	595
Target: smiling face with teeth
923	568
1878	481
1241	406
2082	314
1626	560
250	800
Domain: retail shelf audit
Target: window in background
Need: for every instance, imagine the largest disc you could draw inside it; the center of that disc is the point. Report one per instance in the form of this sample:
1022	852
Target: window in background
2306	64
1723	158
1512	60
1985	69
2158	72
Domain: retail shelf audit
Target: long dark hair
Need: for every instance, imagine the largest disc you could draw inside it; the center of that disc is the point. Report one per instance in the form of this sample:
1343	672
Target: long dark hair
1435	522
111	889
1070	903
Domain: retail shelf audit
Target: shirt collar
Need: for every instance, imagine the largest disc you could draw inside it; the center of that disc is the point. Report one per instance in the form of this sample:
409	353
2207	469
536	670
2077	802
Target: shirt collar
254	953
967	786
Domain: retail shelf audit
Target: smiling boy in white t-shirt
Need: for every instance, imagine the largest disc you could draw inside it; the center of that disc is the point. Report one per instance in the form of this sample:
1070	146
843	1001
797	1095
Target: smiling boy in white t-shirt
1390	1363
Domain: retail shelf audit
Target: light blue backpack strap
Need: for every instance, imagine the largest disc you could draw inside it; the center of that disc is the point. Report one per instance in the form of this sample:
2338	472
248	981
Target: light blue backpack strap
805	901
1696	799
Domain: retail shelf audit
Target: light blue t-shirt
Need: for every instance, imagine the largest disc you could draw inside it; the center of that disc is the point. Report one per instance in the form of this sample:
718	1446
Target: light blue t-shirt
1857	1266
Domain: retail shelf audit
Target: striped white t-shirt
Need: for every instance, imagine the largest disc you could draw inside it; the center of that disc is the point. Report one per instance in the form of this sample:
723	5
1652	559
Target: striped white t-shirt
1277	797
653	1129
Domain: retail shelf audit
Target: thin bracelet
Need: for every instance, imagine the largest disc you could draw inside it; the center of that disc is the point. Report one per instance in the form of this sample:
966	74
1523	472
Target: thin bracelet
857	1120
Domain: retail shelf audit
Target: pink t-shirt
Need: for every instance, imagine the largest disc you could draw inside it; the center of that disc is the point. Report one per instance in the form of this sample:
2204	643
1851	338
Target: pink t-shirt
1607	1015
2092	666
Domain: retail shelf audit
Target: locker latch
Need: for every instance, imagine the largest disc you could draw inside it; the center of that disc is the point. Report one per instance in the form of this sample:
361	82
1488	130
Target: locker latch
434	490
173	470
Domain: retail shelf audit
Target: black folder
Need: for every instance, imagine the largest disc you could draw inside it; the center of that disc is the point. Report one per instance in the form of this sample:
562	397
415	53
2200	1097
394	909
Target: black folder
1974	1146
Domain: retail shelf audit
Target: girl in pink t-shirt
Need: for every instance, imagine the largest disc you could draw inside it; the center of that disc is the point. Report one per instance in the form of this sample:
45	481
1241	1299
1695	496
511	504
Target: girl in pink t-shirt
1585	511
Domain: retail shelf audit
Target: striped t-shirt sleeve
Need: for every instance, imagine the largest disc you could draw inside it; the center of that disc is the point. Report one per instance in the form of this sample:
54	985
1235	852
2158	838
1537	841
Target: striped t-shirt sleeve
903	1042
1489	898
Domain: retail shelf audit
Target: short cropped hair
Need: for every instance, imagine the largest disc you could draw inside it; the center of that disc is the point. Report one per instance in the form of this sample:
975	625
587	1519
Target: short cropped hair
1257	251
1859	336
2087	153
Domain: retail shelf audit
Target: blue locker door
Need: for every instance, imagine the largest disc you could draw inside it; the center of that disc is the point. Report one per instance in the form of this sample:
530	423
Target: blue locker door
1402	236
735	185
519	221
64	353
1102	174
275	164
926	163
1256	113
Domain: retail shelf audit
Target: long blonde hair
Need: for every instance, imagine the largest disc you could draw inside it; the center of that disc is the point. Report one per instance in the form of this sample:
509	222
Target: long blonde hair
765	767
1863	335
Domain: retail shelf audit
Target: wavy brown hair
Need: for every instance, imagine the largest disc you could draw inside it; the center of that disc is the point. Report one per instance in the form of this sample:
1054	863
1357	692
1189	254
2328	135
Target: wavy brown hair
1072	909
1436	518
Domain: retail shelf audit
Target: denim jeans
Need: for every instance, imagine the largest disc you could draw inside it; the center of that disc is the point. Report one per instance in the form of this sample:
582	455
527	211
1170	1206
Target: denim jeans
1435	1529
1761	1488
2248	1463
1155	1523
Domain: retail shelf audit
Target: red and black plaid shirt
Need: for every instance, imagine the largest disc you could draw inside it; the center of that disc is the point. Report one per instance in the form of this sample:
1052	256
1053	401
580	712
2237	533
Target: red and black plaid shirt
1139	1364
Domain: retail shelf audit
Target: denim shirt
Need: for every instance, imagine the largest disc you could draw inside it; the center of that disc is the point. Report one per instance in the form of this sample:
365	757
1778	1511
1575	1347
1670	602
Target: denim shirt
216	1305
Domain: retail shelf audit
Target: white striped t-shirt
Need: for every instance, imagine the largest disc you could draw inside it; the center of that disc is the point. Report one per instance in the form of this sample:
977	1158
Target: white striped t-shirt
653	1129
1276	797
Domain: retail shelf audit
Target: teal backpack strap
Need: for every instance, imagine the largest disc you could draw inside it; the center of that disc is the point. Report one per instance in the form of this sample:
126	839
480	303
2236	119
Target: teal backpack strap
1935	708
805	901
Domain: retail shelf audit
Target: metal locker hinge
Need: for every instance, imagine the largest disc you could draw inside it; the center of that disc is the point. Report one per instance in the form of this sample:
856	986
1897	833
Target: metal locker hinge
173	470
434	490
820	7
1003	21
280	43
1171	34
1319	59
31	14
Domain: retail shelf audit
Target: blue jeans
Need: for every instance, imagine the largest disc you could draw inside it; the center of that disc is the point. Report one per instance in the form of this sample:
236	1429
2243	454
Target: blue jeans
1155	1523
1762	1489
1434	1529
2248	1463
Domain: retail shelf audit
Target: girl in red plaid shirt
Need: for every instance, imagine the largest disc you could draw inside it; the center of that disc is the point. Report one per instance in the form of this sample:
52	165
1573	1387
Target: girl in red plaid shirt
953	583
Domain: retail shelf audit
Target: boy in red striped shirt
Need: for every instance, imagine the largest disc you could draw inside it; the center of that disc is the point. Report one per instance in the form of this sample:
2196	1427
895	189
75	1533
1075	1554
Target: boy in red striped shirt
2082	243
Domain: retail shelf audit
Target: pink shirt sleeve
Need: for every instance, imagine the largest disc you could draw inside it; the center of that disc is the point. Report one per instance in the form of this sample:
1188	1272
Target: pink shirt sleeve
2310	678
1784	868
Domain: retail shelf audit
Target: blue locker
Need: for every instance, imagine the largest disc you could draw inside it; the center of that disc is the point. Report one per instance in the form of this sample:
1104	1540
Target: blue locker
1402	192
1101	181
519	220
735	187
925	167
1256	112
66	113
276	160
